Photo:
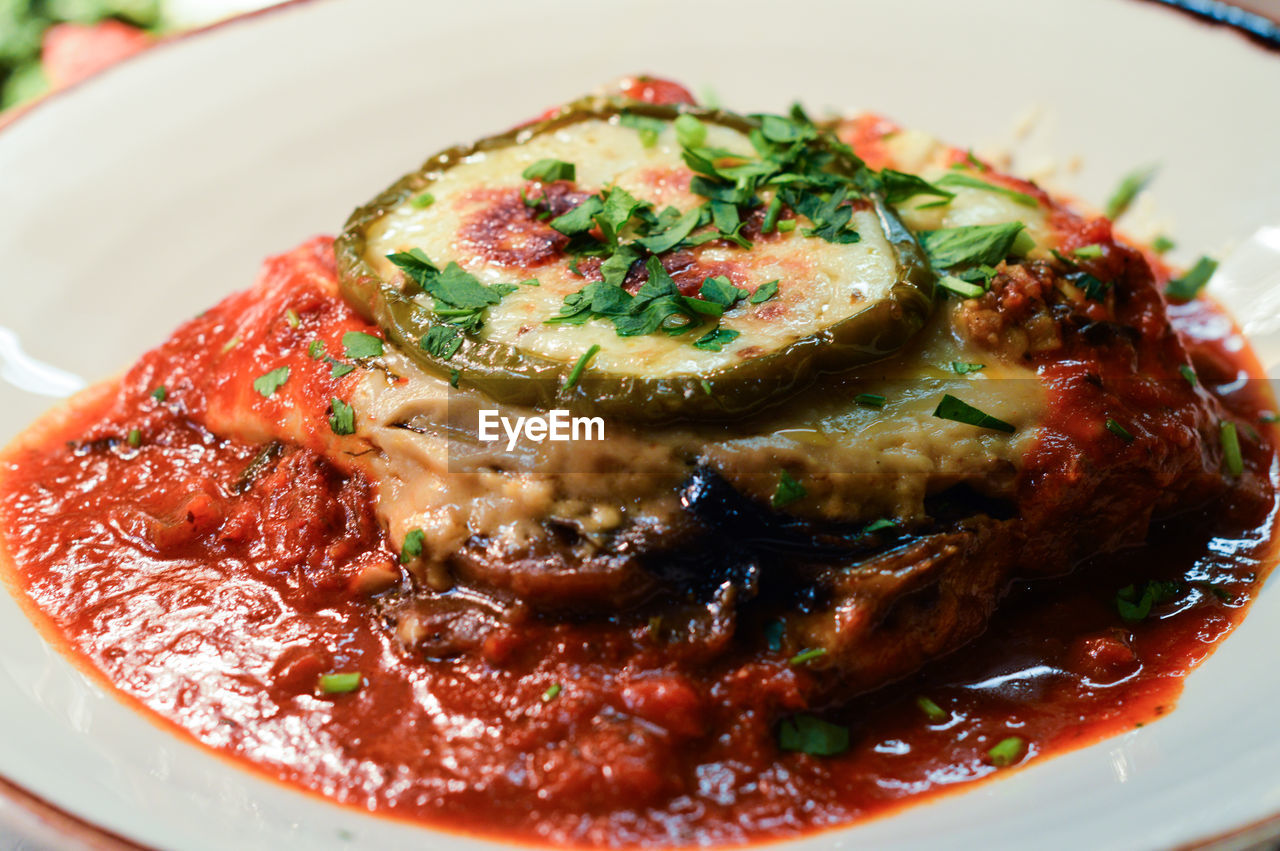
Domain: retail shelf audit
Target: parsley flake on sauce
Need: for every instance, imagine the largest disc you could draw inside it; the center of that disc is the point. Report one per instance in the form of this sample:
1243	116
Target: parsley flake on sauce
932	711
342	420
358	344
342	683
134	437
412	546
1232	459
787	491
338	369
810	735
1135	604
1131	185
1006	752
160	393
269	382
951	408
1119	430
807	655
870	400
960	367
552	692
1189	285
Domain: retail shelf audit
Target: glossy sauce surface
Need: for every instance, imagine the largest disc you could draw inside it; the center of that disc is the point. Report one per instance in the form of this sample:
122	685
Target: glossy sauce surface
216	591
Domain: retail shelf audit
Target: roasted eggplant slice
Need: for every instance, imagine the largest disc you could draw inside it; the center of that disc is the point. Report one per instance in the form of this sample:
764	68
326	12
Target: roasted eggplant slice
650	262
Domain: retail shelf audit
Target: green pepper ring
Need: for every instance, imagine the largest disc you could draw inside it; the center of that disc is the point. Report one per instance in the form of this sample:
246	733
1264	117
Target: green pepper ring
511	376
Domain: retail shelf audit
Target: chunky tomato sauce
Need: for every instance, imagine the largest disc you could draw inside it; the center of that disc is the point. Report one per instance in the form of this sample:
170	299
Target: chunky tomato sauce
215	581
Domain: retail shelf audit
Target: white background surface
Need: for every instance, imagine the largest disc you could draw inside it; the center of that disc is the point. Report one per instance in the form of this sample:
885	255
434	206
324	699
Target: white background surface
147	194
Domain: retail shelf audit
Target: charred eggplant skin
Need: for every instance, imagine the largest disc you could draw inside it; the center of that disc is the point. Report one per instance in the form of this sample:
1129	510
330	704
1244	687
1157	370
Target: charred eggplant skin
512	376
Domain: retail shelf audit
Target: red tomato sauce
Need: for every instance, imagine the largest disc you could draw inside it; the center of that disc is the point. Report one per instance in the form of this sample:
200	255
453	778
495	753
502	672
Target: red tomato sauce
215	590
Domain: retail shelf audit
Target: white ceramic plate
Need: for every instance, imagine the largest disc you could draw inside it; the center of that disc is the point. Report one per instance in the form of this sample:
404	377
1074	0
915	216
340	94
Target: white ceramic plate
150	192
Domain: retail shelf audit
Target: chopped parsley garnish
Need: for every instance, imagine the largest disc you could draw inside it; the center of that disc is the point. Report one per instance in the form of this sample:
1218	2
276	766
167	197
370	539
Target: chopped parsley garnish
412	546
658	304
1232	459
1130	186
932	711
764	292
1135	605
951	408
460	298
442	341
339	683
807	655
426	199
716	339
291	316
963	368
970	245
549	170
690	132
960	287
1006	752
1189	285
1119	430
1189	374
358	344
1088	252
722	291
880	525
648	128
808	169
160	393
787	491
576	372
342	420
134	438
1094	289
900	186
552	692
338	369
870	400
270	382
1162	244
773	633
813	736
958	179
454	375
315	349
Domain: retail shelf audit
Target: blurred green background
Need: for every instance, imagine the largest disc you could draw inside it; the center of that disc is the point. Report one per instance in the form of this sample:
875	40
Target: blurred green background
99	32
